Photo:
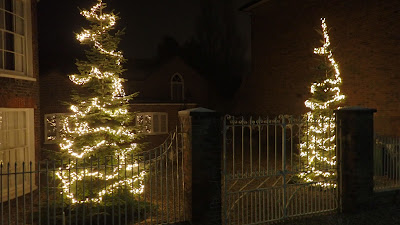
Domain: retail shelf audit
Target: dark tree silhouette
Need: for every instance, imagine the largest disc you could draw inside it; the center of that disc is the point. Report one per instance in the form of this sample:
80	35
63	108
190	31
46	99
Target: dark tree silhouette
168	48
217	50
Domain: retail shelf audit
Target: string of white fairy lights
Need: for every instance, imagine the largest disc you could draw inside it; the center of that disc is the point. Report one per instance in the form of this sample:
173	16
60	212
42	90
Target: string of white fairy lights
317	148
69	175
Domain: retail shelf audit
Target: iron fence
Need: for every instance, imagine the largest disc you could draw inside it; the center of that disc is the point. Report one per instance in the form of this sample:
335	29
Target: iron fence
262	168
386	163
31	193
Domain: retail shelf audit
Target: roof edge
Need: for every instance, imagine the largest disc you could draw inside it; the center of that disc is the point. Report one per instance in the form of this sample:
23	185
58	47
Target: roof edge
252	4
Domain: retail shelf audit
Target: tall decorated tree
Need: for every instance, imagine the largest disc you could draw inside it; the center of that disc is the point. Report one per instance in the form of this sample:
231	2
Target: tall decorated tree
98	132
317	150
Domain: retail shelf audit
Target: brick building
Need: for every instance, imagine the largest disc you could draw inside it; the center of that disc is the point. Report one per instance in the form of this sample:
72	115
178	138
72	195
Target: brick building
365	35
19	88
164	89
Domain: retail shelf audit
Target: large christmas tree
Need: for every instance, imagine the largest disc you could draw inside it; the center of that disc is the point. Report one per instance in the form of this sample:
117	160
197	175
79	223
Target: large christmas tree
98	130
318	144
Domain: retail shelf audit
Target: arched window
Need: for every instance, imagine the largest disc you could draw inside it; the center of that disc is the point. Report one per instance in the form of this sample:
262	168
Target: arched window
177	88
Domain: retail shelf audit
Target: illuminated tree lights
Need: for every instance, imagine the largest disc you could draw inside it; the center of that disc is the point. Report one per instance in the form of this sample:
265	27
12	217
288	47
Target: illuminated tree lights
98	126
317	150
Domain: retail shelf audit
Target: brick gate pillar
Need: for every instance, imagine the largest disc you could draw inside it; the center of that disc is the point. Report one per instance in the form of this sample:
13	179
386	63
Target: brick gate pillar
355	146
202	165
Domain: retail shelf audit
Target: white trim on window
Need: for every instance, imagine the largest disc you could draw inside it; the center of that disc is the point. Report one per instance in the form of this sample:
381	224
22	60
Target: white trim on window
18	34
21	76
152	123
17	138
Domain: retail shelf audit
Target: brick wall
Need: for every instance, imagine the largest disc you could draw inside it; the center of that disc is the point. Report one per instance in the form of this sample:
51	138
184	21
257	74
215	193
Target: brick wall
365	36
35	86
16	93
55	92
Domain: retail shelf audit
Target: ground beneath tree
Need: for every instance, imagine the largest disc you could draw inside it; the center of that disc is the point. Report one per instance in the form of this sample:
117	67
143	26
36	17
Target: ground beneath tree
389	215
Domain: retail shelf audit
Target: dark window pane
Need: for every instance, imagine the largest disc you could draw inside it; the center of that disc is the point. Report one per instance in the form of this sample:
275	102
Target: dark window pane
1	40
8	5
9	19
9	62
177	92
9	41
1	60
176	78
2	19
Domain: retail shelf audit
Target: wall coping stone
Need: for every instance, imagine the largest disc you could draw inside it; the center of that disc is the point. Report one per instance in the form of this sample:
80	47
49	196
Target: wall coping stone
195	110
355	108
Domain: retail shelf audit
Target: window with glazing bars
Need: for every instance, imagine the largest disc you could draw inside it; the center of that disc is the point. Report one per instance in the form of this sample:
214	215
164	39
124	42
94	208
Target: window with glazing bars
12	36
152	122
16	148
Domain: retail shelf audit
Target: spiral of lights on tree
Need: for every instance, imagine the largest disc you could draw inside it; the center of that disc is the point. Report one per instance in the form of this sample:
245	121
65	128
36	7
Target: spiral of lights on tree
317	149
99	126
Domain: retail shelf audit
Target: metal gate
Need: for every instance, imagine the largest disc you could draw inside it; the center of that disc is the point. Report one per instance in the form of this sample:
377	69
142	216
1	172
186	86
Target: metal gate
261	169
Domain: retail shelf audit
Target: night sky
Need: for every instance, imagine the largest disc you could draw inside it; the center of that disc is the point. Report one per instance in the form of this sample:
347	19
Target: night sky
146	23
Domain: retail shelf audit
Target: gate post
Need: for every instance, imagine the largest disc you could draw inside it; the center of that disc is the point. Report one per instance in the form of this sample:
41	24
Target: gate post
355	144
202	165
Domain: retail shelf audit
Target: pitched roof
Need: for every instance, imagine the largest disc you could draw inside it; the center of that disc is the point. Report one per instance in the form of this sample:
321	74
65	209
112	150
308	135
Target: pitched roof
142	69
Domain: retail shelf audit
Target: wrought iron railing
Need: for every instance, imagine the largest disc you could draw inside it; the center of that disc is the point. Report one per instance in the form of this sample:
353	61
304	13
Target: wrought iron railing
40	198
386	163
